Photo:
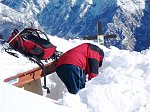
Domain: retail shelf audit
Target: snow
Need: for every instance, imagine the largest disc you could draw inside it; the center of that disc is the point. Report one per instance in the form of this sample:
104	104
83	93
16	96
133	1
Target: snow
131	6
14	99
123	82
122	85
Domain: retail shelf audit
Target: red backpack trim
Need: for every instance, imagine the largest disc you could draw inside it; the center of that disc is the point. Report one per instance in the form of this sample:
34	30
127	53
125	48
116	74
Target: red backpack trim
30	42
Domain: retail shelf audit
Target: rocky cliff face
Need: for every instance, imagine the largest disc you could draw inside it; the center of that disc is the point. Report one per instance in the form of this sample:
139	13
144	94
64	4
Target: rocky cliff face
78	18
142	33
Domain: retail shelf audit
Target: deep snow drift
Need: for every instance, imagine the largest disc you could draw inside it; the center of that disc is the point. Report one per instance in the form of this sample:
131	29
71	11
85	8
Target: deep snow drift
123	83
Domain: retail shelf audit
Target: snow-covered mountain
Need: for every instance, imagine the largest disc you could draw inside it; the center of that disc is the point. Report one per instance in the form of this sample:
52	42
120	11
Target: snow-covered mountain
78	18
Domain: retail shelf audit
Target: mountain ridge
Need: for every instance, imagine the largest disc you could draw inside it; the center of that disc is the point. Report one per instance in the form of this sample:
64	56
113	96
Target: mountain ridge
71	18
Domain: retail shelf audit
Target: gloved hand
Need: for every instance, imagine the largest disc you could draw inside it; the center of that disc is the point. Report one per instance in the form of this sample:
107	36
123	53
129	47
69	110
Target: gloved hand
91	76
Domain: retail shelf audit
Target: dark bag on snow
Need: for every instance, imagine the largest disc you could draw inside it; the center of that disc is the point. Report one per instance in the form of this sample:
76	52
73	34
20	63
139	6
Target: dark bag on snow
32	42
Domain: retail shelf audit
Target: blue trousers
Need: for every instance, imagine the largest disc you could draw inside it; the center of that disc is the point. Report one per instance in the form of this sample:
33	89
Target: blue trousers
72	76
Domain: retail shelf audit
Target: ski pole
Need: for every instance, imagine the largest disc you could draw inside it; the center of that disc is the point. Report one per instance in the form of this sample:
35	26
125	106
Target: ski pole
15	36
6	44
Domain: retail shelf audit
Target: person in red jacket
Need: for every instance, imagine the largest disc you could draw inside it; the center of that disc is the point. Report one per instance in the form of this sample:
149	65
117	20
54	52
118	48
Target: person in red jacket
73	66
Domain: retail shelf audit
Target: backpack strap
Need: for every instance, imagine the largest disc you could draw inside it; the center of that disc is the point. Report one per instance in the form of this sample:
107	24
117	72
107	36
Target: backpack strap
41	65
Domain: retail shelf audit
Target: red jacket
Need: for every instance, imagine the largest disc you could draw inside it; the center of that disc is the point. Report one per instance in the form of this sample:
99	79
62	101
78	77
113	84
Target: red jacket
86	56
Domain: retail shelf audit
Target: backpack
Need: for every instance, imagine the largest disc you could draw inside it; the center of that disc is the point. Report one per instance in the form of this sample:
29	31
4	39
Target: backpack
32	42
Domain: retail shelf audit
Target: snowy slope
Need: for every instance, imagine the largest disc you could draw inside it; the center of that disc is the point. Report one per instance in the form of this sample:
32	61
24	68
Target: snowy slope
14	99
123	84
